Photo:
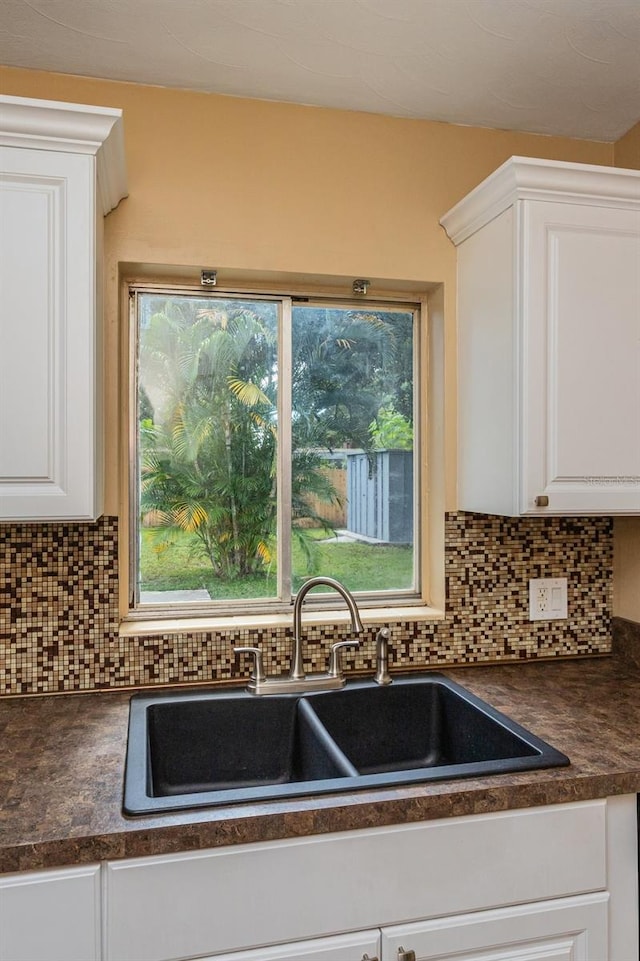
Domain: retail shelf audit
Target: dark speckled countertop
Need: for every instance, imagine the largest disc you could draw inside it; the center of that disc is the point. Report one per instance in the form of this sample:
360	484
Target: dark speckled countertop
62	763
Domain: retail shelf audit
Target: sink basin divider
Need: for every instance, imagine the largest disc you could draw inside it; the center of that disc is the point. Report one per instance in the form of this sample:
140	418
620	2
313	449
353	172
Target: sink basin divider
340	759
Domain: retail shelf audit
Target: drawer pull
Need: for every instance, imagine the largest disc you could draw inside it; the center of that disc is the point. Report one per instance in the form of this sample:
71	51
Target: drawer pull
542	500
406	955
365	957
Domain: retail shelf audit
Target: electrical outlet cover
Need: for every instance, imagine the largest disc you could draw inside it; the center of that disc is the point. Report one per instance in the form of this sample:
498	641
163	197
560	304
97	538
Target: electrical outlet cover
547	598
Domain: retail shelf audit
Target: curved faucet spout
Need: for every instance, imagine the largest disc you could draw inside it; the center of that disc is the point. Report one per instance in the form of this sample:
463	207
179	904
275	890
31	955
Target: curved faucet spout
297	670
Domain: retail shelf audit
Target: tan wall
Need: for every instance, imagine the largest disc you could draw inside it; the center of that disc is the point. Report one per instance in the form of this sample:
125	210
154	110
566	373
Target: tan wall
223	182
626	565
626	568
626	151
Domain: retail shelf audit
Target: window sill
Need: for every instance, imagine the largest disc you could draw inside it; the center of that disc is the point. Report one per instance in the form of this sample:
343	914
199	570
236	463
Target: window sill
193	625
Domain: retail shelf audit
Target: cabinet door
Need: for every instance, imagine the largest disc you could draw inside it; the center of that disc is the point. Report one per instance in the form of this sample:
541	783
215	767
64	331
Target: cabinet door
48	356
343	947
571	929
50	915
580	360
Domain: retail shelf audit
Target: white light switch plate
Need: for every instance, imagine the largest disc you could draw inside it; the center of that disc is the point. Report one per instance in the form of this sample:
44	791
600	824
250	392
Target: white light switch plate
547	598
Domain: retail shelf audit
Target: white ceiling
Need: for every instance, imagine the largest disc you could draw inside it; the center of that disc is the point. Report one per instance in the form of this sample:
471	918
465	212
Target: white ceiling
566	67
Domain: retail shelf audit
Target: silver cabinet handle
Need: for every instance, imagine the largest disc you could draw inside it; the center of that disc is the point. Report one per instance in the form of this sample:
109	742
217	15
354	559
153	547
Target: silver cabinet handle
406	955
366	957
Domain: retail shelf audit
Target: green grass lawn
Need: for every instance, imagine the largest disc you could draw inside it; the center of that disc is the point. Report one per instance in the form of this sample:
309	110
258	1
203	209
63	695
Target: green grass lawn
360	567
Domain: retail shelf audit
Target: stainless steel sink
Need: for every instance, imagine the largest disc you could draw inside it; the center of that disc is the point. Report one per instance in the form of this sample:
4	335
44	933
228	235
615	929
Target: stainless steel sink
200	749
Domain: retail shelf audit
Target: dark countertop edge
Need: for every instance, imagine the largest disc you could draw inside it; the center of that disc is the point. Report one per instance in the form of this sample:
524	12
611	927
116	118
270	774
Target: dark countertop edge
359	813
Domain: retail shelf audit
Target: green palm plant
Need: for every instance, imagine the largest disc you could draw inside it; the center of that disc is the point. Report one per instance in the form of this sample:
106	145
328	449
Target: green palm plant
208	456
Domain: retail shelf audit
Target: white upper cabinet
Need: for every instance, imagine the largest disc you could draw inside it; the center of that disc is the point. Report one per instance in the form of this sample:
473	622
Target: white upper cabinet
549	340
61	170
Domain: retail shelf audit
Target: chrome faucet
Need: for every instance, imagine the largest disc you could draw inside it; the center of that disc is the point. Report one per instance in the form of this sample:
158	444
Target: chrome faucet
298	682
297	670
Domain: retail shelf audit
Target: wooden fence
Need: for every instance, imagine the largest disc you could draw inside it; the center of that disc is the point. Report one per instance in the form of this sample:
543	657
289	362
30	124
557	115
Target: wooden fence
335	514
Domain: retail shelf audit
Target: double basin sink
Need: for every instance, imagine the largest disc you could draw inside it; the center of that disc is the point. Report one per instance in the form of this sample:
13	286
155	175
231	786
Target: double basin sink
194	750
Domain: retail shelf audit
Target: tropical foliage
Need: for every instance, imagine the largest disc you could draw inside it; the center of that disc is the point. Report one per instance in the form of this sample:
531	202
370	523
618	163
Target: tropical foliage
391	430
208	454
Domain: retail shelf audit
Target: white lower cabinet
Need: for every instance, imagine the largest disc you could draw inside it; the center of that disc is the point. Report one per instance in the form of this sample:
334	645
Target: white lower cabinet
51	915
547	883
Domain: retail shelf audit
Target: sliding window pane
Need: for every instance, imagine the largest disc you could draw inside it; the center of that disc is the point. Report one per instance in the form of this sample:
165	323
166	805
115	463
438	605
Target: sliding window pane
353	439
207	415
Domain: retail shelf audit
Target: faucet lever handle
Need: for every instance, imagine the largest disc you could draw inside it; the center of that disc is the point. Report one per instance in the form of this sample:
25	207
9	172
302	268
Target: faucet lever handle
258	665
335	666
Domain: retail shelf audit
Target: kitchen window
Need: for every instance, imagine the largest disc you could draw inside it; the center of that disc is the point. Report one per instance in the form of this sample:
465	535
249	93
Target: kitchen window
275	439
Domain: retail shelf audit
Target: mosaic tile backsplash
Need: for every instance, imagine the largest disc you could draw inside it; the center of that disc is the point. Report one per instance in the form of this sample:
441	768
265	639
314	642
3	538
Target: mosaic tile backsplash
59	609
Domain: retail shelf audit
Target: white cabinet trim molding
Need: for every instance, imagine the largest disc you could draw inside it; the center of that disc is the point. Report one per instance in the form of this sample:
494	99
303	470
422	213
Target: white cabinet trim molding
72	128
528	178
